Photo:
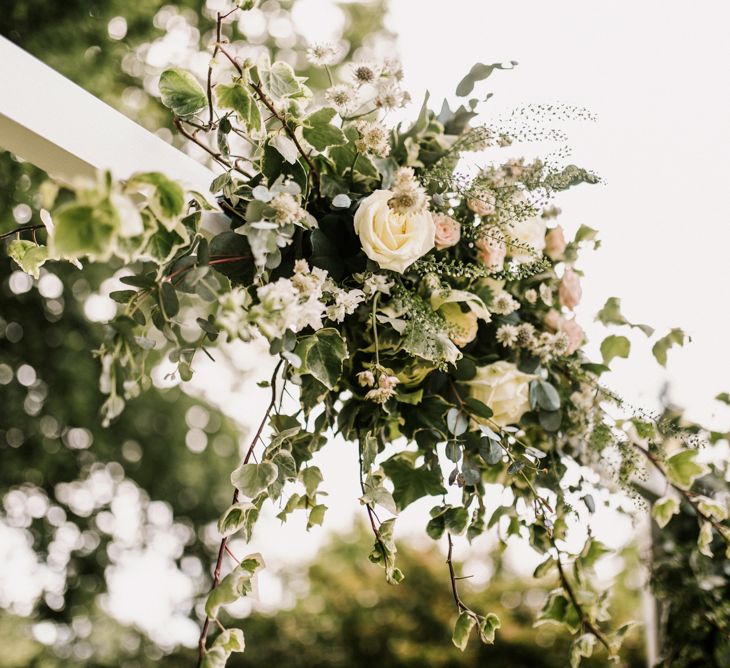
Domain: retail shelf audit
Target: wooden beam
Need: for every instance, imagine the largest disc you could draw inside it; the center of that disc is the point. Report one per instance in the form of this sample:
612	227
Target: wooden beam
61	128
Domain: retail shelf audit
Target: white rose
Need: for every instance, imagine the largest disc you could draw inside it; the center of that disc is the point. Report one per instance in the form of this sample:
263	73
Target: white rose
393	240
530	232
505	389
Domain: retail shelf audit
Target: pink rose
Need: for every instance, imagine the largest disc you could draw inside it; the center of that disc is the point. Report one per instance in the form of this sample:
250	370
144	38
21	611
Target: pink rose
569	327
448	231
570	291
492	250
555	243
480	206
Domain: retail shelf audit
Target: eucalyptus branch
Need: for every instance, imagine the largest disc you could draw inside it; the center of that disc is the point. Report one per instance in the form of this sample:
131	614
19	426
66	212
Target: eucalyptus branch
22	228
224	541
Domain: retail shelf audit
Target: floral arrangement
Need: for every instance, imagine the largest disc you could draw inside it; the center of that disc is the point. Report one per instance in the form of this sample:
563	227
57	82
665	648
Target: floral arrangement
422	311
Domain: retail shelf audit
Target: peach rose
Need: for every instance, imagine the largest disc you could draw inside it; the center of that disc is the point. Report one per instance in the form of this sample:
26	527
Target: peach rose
570	291
480	206
555	243
492	250
448	231
567	326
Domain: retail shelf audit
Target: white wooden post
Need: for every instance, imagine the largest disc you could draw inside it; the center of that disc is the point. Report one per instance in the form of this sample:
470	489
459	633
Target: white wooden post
61	128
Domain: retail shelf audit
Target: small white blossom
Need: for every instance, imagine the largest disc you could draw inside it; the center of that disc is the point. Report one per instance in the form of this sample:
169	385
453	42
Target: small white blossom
366	378
546	294
322	55
409	196
341	96
504	304
387	382
375	283
287	209
365	73
507	335
531	296
390	96
345	304
373	139
380	395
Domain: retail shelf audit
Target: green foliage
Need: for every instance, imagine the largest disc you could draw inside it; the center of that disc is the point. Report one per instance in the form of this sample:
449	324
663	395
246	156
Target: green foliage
235	96
676	337
319	131
322	355
614	346
181	92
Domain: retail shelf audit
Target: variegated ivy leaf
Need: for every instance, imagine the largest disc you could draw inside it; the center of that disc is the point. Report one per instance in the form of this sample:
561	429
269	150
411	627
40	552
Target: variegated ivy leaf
384	552
704	540
236	517
675	337
322	355
233	586
465	622
181	92
311	477
712	508
28	255
319	131
238	98
279	80
683	470
664	509
582	647
252	479
488	627
231	640
286	147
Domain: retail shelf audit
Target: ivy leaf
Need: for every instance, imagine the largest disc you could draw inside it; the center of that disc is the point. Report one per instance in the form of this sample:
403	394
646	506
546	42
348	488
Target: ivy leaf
581	647
664	509
675	337
479	72
384	551
615	346
164	244
465	622
319	131
411	483
83	230
181	92
316	516
279	80
286	147
252	479
28	256
724	397
322	355
560	610
235	518
704	540
233	586
683	470
231	640
311	477
488	628
237	97
611	314
168	199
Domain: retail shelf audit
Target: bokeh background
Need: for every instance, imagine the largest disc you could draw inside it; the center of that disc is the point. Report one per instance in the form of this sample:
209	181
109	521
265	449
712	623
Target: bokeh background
106	535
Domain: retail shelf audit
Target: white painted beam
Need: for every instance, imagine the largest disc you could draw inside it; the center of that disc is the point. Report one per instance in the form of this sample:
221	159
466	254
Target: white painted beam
61	128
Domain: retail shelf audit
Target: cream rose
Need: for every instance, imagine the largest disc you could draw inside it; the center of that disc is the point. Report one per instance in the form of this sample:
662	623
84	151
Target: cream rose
529	237
505	389
448	231
570	291
393	240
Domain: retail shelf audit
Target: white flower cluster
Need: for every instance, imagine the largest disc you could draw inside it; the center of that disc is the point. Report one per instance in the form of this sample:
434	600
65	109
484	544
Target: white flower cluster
374	283
381	380
504	304
544	345
373	139
409	196
305	300
369	83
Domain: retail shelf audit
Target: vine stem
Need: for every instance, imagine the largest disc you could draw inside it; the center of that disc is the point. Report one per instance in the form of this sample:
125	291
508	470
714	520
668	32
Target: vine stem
20	229
224	541
460	607
584	618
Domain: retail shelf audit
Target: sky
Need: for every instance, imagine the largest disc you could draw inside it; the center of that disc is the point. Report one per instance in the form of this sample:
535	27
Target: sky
651	72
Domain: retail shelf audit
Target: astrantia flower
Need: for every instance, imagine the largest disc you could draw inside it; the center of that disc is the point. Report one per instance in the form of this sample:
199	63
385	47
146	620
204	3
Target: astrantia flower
365	73
321	55
507	335
409	196
341	96
504	304
373	139
391	96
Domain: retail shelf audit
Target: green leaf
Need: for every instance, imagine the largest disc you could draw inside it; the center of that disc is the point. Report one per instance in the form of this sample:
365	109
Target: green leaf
28	255
252	479
322	355
411	483
683	470
661	347
168	300
311	477
384	552
477	408
546	396
233	586
316	516
465	622
164	244
488	628
724	397
704	540
215	657
457	421
611	314
592	552
237	97
83	230
319	131
235	518
581	647
181	92
230	255
615	346
663	510
585	233
560	610
479	72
